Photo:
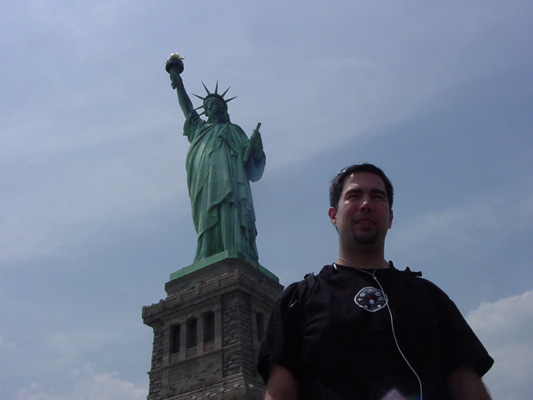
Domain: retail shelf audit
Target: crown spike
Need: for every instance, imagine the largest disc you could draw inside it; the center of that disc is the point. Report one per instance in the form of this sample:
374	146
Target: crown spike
206	89
226	91
210	95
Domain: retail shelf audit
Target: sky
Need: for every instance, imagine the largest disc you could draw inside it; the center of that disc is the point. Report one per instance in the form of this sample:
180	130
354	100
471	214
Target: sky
94	211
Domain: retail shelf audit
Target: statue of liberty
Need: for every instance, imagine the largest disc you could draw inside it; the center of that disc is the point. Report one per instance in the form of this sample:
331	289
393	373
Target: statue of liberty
221	162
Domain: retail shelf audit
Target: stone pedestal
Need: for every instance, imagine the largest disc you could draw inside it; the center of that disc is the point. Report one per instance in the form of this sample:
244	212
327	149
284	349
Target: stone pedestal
207	332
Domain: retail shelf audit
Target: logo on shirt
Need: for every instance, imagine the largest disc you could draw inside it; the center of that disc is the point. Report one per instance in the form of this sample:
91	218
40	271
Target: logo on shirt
371	299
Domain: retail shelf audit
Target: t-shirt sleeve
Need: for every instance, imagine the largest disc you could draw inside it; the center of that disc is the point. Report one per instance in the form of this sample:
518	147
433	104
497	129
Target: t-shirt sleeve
281	340
461	345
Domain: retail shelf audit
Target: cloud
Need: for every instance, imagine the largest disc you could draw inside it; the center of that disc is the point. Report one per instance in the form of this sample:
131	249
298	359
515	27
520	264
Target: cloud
35	392
56	207
90	385
70	347
505	328
92	158
464	225
5	345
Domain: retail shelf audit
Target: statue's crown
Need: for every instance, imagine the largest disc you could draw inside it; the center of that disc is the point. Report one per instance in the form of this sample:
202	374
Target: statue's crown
211	95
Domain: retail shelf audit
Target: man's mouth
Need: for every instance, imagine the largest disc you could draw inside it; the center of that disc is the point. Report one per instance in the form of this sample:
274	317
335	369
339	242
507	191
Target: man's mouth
365	220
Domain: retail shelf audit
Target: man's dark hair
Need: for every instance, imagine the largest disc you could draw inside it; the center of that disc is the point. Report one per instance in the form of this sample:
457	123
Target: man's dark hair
337	184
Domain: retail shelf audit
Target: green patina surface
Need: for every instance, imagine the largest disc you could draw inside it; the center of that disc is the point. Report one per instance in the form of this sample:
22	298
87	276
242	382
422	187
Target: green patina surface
219	257
221	162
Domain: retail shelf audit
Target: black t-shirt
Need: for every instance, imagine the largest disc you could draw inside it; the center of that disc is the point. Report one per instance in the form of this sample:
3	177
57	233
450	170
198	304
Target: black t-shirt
341	342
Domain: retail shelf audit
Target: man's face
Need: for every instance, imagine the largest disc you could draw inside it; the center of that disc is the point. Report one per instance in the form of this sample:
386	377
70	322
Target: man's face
363	215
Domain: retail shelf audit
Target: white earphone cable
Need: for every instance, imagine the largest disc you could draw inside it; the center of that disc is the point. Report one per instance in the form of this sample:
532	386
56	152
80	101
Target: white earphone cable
396	341
391	321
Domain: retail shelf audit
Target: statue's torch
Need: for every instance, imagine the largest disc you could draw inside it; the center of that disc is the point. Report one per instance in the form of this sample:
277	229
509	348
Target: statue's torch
174	62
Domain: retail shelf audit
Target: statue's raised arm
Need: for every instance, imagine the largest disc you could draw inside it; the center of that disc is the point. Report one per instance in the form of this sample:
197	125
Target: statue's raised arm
174	67
221	163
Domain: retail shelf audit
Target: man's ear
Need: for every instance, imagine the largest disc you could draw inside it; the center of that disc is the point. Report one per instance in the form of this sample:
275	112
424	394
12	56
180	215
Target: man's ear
332	213
391	216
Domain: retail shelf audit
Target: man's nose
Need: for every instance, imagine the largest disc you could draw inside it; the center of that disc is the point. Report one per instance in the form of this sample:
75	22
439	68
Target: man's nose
366	204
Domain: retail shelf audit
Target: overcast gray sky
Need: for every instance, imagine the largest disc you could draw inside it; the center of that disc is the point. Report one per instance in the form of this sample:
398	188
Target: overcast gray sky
94	208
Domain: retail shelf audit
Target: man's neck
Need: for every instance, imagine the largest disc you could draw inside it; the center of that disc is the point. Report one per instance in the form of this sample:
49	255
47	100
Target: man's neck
362	260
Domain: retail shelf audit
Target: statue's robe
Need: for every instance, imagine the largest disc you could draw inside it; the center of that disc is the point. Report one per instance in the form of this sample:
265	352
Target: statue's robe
218	179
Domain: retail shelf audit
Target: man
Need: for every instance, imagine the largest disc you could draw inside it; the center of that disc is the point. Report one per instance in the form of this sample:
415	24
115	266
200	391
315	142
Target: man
361	329
220	164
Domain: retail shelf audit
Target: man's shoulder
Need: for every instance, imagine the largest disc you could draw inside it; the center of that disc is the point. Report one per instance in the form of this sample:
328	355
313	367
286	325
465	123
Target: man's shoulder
297	293
306	285
432	288
310	280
